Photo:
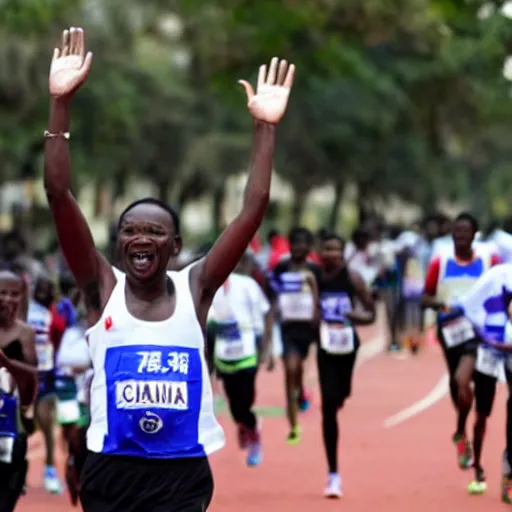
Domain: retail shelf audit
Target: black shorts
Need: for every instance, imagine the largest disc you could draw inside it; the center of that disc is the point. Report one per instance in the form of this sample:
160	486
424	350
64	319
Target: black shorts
335	376
297	339
131	484
12	476
453	355
485	391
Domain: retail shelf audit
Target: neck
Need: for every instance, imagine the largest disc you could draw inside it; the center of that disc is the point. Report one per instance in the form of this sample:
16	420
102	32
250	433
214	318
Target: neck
464	254
148	291
333	269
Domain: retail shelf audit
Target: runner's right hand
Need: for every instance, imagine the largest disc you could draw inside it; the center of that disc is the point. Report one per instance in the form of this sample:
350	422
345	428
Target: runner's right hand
70	64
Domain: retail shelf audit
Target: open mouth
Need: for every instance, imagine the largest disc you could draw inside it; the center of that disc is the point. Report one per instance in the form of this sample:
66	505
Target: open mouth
142	260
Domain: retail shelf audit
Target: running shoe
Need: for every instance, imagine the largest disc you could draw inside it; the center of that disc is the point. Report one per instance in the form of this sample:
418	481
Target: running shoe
394	347
255	450
51	481
479	484
304	401
294	436
464	453
334	488
506	489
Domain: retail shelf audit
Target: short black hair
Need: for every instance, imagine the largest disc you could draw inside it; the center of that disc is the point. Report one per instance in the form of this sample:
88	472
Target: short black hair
151	200
66	282
300	231
327	237
467	217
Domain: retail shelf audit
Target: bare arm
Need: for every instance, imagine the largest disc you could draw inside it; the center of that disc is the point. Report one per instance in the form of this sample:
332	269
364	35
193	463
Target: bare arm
364	294
267	107
92	272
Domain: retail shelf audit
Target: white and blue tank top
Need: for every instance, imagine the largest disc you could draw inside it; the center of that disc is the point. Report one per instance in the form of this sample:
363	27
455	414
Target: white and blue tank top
151	395
40	319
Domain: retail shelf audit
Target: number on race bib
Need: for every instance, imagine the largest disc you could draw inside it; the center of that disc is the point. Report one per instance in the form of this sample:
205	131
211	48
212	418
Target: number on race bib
457	331
296	306
488	362
337	338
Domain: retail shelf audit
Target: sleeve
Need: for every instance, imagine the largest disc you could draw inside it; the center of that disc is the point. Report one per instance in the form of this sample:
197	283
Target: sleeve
432	277
473	303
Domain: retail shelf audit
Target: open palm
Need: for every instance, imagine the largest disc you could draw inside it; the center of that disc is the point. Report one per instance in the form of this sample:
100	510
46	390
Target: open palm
268	103
70	64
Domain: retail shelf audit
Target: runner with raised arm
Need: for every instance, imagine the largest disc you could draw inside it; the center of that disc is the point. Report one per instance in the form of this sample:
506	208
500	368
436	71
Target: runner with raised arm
152	419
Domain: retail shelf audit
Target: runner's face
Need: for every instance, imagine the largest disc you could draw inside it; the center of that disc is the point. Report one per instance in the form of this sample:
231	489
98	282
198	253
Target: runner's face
332	253
44	292
147	240
300	248
10	297
463	235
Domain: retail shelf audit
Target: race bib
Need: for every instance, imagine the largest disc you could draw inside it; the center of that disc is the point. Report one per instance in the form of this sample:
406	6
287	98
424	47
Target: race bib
45	357
233	344
68	411
488	362
6	449
457	331
8	426
296	306
337	338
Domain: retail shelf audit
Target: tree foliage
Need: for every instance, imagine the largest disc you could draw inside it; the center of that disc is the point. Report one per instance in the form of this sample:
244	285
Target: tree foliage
403	98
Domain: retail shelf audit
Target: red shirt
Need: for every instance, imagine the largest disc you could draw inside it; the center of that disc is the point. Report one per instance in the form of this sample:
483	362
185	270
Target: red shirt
57	327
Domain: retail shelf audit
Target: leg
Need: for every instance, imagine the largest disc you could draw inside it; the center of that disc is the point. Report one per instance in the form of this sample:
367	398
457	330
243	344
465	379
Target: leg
240	392
506	483
45	414
460	366
463	378
335	376
485	391
293	370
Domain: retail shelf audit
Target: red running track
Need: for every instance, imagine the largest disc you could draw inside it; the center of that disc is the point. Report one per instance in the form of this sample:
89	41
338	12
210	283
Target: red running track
407	467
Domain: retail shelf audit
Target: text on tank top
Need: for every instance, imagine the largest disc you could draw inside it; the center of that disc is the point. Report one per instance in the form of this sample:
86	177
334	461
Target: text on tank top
40	319
456	279
151	395
295	297
337	294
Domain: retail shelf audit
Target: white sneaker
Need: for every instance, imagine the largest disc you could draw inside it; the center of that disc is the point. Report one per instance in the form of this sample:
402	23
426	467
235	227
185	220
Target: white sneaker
334	489
51	481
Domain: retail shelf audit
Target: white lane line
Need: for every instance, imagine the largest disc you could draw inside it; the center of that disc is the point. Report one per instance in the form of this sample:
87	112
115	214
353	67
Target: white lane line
439	391
371	349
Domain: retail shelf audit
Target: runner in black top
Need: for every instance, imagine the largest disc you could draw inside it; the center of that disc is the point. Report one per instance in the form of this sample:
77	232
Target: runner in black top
338	287
18	370
293	284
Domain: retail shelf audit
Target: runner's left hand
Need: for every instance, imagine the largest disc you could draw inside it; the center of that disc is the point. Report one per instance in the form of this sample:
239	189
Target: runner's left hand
269	102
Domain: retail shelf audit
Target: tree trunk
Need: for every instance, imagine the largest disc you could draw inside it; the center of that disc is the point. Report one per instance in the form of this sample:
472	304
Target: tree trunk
362	204
218	210
335	207
298	207
163	189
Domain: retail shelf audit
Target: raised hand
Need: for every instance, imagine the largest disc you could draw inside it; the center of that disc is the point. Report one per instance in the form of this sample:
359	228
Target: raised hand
70	64
269	102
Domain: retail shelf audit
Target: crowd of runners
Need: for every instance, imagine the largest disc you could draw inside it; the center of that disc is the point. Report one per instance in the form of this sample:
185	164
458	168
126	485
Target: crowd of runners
121	354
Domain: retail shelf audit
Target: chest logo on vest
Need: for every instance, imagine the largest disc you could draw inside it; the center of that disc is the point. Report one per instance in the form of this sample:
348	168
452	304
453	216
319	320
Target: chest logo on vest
151	423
